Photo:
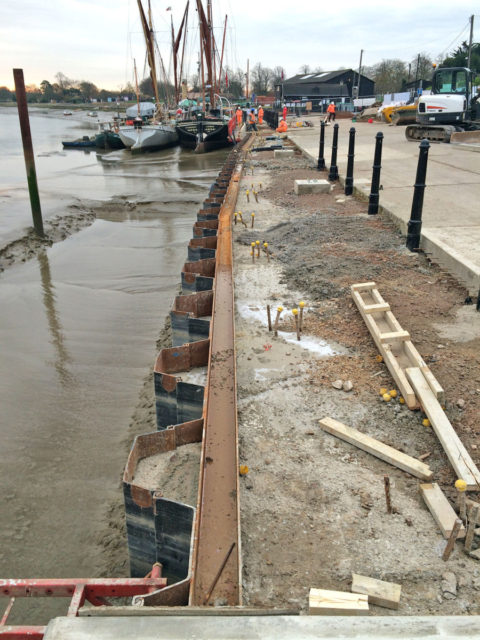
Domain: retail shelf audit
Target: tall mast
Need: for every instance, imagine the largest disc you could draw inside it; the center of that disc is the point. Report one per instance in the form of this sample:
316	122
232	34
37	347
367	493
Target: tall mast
184	42
148	33
136	87
206	42
248	73
175	47
223	49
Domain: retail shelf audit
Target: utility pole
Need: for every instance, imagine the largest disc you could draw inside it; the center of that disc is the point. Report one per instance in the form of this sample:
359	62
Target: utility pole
470	42
416	71
359	72
248	73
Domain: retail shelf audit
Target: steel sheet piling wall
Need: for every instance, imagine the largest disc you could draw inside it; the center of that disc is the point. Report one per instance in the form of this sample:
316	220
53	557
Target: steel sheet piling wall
162	530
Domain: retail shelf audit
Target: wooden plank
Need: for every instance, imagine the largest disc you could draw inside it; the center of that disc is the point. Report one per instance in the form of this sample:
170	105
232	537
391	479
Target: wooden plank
394	335
379	592
374	308
363	286
322	602
379	449
395	370
452	445
417	361
440	508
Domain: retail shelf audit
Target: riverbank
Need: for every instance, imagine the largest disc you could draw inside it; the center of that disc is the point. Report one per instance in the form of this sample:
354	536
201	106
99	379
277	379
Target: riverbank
313	508
80	320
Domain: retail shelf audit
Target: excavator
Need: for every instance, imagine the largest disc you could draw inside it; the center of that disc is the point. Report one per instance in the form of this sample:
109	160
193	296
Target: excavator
450	108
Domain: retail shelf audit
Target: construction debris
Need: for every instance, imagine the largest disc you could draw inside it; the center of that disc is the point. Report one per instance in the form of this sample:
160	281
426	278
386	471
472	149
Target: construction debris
440	509
459	457
451	541
336	603
379	592
393	342
377	448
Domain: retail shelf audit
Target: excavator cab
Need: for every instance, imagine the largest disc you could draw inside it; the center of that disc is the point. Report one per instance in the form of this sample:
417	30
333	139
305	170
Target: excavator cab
449	109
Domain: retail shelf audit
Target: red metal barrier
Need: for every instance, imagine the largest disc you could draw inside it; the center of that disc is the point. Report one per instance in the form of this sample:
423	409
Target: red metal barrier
78	590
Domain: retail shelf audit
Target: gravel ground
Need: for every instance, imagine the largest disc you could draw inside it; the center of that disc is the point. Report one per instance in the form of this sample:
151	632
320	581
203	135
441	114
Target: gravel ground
313	507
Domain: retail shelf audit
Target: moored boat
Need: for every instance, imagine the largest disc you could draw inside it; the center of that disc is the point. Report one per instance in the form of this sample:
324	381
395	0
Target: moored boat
212	130
80	143
149	137
204	134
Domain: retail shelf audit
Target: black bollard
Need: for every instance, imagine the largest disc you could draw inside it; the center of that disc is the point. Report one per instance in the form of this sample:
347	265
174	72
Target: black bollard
415	222
351	155
377	165
333	173
321	166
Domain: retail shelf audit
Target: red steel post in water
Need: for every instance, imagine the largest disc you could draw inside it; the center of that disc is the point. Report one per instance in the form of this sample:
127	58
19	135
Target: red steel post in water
28	151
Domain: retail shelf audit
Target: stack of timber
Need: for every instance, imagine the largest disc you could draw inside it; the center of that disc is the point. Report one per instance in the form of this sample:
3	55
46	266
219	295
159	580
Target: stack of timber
393	342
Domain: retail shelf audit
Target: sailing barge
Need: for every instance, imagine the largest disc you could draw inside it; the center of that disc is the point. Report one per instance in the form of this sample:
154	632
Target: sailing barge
207	131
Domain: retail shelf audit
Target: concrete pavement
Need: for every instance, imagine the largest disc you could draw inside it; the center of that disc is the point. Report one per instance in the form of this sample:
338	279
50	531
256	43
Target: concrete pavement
264	627
451	212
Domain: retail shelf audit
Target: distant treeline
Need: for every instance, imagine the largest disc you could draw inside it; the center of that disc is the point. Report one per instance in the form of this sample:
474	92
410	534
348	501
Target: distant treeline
390	75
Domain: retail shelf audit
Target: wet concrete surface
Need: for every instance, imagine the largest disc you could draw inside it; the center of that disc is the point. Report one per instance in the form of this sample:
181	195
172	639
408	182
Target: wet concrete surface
78	329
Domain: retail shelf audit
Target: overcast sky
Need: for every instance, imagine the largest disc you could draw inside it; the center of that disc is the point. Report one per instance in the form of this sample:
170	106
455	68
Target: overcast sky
97	40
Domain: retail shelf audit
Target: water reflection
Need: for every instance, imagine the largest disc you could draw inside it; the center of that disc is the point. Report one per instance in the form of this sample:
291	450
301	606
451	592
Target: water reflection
58	338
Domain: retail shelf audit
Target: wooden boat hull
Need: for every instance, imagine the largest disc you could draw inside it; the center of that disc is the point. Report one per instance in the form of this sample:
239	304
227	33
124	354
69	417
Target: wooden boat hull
149	137
203	135
108	140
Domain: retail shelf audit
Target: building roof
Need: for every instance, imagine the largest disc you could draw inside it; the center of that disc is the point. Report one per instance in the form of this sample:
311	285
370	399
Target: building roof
312	89
320	77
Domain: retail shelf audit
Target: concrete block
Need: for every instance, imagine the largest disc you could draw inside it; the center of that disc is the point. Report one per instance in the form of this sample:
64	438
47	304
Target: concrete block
283	153
312	186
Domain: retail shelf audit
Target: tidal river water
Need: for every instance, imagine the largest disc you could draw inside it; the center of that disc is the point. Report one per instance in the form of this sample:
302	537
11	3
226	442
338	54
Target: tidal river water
78	325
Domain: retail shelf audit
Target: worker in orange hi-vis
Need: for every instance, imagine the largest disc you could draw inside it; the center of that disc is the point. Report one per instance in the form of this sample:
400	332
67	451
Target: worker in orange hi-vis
260	115
239	116
330	112
284	112
252	120
282	126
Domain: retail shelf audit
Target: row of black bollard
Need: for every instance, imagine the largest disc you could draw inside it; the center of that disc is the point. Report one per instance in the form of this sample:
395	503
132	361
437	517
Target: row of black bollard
350	159
333	173
415	222
375	185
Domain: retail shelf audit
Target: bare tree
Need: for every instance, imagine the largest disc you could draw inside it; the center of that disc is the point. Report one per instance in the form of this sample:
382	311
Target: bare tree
278	75
261	79
421	67
389	75
305	68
